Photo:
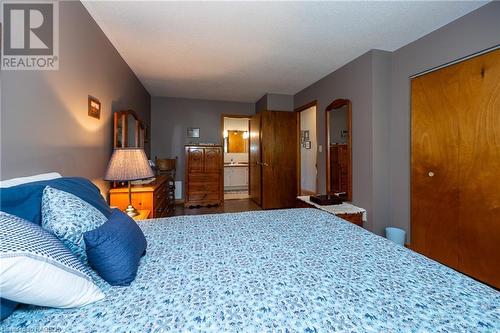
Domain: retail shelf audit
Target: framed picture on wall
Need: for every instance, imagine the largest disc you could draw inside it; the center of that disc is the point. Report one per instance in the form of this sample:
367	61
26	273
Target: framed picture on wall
193	132
94	107
306	135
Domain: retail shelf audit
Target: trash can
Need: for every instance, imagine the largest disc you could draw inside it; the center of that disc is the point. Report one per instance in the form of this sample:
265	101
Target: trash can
396	235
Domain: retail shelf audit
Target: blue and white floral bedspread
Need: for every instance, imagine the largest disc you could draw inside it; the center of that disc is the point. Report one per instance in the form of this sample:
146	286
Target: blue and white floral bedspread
297	270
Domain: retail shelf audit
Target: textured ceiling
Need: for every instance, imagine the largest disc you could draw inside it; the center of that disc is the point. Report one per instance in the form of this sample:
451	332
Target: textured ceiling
238	51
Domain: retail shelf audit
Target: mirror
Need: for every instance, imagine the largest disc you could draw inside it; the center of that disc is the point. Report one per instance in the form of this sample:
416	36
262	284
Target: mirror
128	130
338	149
237	141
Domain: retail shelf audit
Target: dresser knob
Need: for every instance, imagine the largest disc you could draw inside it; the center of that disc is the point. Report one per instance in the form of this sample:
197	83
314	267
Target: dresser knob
431	174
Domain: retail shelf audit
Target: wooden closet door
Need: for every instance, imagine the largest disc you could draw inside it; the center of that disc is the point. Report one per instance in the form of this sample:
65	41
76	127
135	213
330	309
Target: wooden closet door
434	166
479	161
455	193
279	159
254	169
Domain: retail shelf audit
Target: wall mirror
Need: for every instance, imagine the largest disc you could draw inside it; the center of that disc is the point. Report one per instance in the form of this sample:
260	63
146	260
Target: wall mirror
236	141
338	124
128	130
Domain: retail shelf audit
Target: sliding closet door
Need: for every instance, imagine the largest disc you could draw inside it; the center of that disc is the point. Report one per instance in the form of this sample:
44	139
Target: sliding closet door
279	159
255	176
434	161
455	168
479	162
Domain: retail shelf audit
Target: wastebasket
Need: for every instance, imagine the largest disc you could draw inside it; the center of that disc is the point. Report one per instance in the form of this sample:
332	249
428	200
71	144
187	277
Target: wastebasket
396	235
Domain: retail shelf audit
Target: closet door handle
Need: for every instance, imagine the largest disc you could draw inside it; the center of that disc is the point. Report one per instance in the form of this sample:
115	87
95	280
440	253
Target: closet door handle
265	164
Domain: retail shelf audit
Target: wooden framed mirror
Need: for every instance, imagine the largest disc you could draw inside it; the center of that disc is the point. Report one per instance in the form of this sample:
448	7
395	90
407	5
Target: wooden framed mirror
338	129
237	142
128	130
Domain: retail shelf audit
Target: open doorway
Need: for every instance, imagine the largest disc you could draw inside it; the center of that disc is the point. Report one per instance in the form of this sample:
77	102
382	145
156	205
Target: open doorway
307	150
236	153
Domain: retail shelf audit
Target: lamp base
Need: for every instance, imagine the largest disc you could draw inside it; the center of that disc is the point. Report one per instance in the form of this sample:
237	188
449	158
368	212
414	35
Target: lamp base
131	211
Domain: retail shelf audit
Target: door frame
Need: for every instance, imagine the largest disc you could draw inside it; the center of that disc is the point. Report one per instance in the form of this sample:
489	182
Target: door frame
298	111
221	133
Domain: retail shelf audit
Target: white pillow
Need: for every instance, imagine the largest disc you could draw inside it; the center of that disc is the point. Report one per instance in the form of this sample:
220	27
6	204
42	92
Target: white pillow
36	268
29	179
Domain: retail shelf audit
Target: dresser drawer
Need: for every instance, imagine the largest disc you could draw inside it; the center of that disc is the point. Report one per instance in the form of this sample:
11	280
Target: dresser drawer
204	196
202	178
160	209
203	187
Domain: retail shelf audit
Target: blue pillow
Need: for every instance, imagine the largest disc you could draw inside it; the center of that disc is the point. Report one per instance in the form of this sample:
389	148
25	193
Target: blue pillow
115	249
7	307
25	200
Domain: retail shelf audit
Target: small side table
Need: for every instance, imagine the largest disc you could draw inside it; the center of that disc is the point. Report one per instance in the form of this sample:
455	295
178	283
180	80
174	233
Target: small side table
345	211
143	215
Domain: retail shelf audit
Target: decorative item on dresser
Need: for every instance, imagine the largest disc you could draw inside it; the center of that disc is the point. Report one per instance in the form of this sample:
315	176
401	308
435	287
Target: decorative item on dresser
203	175
152	197
344	210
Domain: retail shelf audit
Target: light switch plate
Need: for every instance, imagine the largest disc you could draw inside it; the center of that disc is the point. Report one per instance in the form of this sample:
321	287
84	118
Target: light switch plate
320	148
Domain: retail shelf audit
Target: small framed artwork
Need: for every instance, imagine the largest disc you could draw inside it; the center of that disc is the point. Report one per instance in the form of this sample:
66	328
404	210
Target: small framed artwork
306	135
307	145
94	107
193	132
302	136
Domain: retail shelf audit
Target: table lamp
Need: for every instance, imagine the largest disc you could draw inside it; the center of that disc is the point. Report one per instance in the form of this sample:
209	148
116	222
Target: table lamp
128	164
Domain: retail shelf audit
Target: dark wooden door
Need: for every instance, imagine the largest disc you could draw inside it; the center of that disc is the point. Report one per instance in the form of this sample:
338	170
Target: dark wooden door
455	167
254	169
279	159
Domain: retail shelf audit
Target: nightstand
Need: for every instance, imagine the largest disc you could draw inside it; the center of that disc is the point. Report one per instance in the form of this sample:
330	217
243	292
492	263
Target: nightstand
345	210
143	215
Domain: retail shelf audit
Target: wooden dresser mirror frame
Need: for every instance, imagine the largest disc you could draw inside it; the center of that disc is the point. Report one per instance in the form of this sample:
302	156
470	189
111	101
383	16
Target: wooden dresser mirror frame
337	104
121	128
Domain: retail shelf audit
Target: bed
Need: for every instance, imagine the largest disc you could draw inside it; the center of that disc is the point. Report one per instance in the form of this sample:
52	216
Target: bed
296	270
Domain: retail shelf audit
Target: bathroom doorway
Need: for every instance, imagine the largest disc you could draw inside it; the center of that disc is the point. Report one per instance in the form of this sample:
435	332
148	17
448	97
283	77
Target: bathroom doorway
307	150
236	153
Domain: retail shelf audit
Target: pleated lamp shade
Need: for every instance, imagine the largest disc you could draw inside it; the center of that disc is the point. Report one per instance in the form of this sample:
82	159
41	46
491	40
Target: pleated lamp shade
128	164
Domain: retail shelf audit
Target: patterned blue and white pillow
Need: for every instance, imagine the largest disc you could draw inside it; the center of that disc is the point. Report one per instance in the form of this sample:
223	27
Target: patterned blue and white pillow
36	268
68	217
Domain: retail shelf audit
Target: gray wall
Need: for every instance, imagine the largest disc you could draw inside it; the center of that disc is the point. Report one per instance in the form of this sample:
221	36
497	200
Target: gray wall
279	102
352	81
275	102
44	121
170	118
381	109
469	34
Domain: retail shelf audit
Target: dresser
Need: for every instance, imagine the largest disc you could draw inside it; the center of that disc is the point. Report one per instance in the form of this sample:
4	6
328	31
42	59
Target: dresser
203	176
156	197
